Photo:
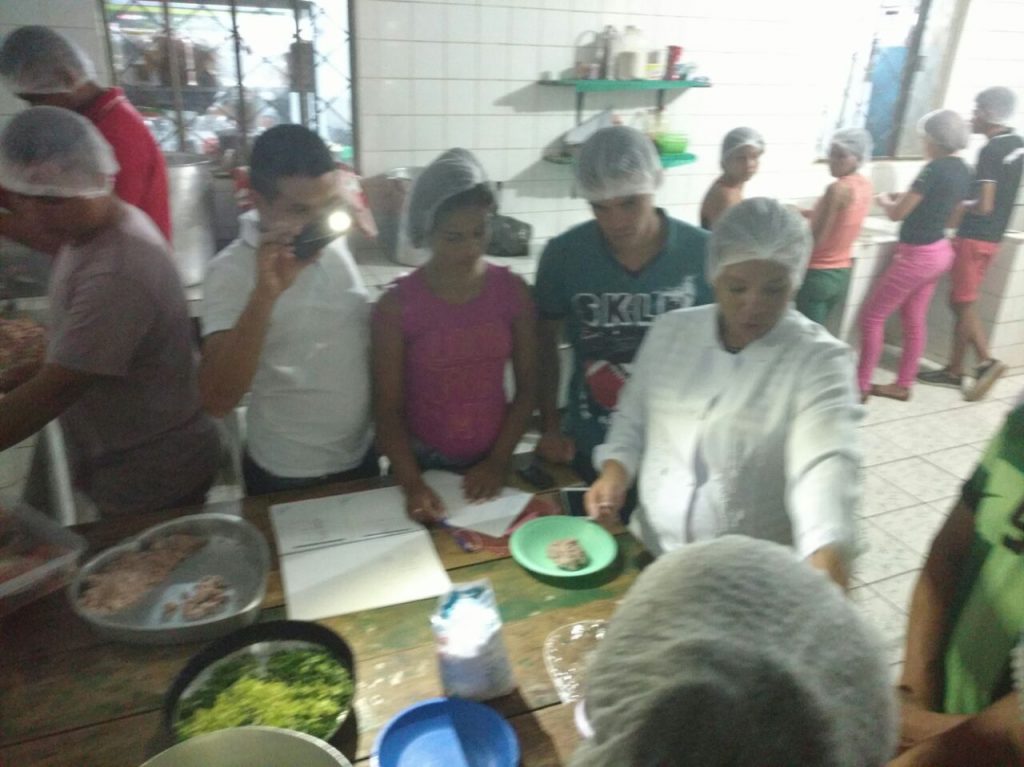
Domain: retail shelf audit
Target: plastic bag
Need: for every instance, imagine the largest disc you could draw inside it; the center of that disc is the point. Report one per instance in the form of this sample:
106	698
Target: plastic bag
470	649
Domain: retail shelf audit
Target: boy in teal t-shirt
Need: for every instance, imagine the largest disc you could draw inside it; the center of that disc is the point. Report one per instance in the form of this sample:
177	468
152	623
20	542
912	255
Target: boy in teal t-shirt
603	283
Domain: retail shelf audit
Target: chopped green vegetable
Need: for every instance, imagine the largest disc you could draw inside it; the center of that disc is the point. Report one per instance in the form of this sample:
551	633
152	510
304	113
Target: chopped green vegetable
305	690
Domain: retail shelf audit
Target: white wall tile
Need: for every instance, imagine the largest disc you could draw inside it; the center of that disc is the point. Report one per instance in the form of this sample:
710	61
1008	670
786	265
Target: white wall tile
428	60
461	97
463	23
394	20
525	27
492	61
522	62
428	97
461	61
460	131
394	59
494	24
429	132
395	132
428	21
395	96
556	28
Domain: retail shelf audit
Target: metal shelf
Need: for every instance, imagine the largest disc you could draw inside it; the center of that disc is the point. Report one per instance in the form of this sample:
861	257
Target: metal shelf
583	87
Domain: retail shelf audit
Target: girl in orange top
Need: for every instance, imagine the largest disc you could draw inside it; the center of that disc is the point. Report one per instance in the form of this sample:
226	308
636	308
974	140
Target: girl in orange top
835	223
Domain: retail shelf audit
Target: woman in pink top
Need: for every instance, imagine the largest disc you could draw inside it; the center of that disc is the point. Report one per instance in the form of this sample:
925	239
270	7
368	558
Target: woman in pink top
835	223
442	337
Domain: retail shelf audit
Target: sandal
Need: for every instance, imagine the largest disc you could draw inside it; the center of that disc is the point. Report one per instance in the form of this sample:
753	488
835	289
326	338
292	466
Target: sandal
891	391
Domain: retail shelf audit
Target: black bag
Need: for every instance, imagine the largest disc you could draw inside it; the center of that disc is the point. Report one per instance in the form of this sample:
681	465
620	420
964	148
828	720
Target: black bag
509	237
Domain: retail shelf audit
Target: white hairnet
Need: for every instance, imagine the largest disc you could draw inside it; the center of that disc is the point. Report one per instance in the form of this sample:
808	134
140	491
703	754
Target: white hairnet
54	152
617	161
733	652
37	60
856	141
454	172
946	129
996	104
738	138
760	229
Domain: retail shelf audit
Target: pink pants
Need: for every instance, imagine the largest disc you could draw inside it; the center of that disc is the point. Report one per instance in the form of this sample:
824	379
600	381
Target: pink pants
907	285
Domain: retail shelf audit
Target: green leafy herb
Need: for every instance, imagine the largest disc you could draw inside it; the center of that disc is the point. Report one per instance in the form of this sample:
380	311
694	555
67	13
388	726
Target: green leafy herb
305	690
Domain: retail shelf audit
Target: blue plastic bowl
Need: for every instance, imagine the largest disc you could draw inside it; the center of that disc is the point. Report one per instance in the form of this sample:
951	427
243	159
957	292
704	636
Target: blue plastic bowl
446	732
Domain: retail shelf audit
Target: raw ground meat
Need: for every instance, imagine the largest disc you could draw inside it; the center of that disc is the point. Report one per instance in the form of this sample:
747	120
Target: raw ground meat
568	554
127	578
208	597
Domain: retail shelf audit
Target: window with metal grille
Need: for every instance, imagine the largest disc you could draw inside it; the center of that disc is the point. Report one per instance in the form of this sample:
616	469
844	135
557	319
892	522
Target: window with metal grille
208	77
901	55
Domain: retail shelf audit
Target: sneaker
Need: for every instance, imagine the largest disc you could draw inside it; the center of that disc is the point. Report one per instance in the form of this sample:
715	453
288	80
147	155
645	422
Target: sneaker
985	375
940	378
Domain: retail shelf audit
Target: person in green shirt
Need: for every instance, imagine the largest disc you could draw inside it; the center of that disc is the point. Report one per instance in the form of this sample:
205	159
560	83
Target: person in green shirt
601	285
966	616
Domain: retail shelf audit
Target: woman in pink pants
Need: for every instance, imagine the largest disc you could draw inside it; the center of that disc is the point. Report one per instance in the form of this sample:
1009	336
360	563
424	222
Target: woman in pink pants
922	256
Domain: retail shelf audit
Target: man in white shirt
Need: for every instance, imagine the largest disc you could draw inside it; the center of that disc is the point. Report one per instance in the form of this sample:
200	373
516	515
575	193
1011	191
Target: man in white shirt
295	332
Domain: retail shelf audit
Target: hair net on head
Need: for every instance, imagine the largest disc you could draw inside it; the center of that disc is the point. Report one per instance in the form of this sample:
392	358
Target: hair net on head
996	104
733	651
738	138
33	60
617	161
454	172
946	129
856	141
760	229
53	152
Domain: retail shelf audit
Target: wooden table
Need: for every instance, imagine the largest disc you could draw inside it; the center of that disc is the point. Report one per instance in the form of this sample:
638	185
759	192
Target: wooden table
68	697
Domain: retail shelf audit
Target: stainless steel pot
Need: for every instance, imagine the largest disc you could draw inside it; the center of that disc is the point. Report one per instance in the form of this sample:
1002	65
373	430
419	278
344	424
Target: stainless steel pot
190	185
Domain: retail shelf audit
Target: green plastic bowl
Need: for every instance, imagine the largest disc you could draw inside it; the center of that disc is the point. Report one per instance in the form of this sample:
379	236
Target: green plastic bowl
672	143
529	545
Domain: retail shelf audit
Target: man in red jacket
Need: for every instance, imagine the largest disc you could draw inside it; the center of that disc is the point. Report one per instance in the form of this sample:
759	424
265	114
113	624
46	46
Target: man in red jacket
44	68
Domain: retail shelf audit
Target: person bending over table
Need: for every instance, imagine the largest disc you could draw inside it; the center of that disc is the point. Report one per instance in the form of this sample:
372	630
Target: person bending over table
120	365
442	339
966	616
733	653
602	284
740	416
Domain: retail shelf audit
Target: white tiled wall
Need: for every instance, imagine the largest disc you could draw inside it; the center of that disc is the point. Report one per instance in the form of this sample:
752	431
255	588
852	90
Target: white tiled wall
434	75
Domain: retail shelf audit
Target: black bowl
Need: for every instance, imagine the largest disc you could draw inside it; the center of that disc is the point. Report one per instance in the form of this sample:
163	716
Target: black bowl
272	631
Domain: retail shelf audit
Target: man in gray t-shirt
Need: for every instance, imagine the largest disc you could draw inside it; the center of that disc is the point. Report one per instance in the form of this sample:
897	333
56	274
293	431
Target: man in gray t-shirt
120	368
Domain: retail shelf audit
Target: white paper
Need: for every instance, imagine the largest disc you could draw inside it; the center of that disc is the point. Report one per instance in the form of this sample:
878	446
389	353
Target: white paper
490	517
377	572
339	519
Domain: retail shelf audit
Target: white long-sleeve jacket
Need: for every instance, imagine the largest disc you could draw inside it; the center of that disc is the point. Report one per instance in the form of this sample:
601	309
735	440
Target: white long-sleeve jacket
761	443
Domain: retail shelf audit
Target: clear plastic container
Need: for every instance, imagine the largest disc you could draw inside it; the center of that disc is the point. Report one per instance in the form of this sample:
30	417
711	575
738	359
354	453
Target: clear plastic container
567	654
37	555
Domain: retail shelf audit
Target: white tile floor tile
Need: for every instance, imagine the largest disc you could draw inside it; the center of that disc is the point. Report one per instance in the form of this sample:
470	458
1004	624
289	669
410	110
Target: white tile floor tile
882	555
921	479
958	461
880	495
914	526
897	589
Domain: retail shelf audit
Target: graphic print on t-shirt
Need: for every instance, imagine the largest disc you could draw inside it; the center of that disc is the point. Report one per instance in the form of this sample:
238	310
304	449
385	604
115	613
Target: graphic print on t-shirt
612	326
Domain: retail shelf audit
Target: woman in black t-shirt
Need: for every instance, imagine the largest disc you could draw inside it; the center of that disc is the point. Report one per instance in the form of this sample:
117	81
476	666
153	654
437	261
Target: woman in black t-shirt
923	253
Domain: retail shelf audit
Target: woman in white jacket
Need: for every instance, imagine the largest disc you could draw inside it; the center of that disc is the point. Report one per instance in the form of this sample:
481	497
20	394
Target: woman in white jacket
740	417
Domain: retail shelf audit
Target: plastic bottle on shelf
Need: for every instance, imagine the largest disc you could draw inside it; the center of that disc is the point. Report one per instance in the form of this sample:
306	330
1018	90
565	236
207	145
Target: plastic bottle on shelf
631	63
610	45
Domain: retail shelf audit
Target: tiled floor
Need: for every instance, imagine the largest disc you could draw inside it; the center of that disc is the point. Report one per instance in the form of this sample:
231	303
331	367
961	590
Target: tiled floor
916	455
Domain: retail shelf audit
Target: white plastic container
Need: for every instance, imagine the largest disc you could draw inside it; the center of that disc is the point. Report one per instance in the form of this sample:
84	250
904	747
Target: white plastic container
631	63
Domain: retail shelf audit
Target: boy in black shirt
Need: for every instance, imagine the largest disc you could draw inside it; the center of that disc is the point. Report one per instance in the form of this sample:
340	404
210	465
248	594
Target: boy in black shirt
986	216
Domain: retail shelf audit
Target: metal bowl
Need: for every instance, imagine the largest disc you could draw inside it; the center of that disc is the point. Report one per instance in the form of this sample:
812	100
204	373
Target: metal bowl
260	640
235	550
248	746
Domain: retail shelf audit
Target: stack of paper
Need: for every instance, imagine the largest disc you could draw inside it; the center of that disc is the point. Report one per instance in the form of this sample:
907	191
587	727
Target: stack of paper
360	551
